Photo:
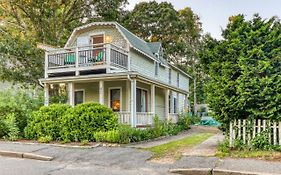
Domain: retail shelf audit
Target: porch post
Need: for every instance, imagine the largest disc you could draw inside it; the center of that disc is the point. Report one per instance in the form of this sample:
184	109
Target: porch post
128	96
152	90
107	57
71	93
167	93
133	102
76	61
101	92
46	94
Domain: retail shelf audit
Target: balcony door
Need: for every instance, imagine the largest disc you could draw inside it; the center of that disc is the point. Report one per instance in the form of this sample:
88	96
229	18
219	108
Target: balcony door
141	100
98	48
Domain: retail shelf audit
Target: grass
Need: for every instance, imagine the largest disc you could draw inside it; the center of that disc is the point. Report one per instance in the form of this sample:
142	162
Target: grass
174	149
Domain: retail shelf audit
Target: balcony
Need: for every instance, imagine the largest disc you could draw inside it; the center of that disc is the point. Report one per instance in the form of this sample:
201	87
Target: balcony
78	60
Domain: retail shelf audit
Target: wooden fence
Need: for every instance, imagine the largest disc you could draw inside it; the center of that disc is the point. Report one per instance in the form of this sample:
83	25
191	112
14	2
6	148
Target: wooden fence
247	130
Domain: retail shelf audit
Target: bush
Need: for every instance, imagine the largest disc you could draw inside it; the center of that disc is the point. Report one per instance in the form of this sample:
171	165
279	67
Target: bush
46	121
20	104
12	129
85	119
184	121
261	142
3	128
45	139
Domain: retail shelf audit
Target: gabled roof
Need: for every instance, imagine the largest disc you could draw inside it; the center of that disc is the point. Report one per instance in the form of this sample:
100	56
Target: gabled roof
150	49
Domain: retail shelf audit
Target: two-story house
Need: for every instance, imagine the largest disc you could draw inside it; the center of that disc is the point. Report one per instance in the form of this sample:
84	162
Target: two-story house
104	62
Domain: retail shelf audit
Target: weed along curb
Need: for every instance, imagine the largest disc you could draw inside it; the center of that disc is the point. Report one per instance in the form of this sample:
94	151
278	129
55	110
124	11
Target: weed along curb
25	155
210	171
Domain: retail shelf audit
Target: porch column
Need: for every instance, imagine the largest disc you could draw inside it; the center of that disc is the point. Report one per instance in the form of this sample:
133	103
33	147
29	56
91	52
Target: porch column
46	94
133	102
167	93
71	94
101	92
128	96
76	61
152	90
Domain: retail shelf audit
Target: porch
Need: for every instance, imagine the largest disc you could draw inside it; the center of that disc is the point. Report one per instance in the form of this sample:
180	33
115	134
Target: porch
84	60
135	101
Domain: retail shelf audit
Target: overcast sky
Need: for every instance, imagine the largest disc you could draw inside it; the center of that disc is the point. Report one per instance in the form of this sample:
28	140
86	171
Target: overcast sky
214	13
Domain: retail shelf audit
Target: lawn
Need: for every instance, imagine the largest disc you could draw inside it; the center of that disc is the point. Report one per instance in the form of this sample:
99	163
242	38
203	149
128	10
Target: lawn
174	149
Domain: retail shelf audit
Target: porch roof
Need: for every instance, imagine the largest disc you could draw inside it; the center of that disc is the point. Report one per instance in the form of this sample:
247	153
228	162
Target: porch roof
112	77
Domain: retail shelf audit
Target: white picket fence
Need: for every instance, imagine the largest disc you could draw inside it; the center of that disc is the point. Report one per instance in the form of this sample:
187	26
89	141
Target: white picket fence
249	129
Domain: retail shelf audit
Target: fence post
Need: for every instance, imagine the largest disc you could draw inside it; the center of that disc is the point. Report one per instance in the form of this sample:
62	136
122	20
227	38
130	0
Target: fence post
234	130
269	133
239	128
244	131
279	132
259	125
230	134
254	128
274	133
249	132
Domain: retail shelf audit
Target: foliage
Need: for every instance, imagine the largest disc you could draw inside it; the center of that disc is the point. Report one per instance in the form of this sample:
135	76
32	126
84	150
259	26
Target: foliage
126	134
3	128
12	128
15	107
244	70
26	23
261	142
82	121
45	139
46	122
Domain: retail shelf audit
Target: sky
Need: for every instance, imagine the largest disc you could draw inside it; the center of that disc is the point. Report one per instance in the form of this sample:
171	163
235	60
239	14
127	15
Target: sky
214	13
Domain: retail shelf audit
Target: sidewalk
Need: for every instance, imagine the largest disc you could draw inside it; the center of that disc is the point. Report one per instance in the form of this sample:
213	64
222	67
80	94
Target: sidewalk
239	166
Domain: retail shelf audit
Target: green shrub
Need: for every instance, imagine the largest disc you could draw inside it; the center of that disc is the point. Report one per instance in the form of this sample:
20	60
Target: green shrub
184	121
45	139
85	119
46	121
11	126
19	103
3	128
261	141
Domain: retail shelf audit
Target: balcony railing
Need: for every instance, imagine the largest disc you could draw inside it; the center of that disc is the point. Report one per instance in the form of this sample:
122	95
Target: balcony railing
87	56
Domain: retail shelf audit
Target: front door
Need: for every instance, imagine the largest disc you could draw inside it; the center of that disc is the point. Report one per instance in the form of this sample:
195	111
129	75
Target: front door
98	51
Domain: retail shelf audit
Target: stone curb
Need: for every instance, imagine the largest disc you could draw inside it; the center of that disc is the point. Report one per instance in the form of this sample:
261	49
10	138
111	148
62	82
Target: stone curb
25	155
192	171
217	171
209	171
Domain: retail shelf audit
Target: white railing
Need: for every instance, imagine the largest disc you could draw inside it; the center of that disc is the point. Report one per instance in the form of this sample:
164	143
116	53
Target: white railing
124	117
174	117
246	130
87	56
145	118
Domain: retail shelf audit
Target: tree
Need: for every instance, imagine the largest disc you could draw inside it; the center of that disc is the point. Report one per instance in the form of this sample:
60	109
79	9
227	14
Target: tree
244	70
24	23
179	32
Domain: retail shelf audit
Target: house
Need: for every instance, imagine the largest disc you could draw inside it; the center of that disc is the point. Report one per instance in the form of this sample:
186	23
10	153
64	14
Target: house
104	62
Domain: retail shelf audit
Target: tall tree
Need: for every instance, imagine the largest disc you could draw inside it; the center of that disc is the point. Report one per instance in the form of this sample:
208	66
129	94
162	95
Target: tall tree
244	70
24	23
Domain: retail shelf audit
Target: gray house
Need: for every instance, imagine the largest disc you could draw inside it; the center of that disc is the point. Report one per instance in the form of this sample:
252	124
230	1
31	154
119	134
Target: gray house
104	62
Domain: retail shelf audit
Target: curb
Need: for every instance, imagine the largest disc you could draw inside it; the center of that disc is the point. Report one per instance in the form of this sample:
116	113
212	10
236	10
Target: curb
25	155
192	171
210	171
231	172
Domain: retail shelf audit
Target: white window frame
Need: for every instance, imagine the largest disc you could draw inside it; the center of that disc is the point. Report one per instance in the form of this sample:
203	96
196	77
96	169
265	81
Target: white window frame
109	100
79	90
91	35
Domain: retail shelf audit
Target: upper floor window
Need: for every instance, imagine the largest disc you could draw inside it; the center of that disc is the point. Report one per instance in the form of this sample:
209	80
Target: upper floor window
170	76
156	68
178	80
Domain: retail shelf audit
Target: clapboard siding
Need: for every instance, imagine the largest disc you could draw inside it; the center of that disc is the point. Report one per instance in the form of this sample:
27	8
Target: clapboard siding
142	64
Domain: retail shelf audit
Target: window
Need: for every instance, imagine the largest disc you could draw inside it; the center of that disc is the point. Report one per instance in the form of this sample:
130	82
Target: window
141	100
178	80
115	102
170	76
156	68
79	97
175	105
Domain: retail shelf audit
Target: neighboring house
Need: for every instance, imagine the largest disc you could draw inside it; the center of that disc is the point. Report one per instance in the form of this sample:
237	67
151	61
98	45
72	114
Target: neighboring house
104	62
